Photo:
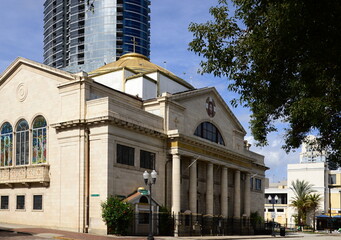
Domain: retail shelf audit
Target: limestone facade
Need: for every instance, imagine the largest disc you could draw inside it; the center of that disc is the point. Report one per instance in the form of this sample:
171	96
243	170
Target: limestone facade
99	140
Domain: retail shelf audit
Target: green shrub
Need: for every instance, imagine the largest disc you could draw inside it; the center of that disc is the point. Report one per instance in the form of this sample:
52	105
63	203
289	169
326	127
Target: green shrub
117	215
256	219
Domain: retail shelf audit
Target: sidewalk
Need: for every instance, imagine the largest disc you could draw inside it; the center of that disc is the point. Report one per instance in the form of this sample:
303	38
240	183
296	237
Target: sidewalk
66	235
60	234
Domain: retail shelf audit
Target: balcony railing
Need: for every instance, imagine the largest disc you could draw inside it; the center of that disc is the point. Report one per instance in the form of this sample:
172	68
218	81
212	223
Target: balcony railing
25	175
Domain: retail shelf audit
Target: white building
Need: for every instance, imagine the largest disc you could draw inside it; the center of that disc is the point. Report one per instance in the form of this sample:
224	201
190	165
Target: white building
277	209
312	169
317	175
68	141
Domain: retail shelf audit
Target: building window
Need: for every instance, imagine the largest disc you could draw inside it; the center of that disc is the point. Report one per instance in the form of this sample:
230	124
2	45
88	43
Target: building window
258	184
37	202
39	140
270	209
20	202
251	183
210	132
280	210
4	202
6	145
147	159
125	155
22	139
332	178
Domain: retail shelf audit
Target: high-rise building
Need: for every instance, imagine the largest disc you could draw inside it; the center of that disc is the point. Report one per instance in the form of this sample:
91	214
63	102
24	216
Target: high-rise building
82	35
311	152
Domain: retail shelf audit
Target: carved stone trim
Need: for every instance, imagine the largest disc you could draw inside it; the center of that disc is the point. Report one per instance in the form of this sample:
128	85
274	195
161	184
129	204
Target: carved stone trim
25	175
22	92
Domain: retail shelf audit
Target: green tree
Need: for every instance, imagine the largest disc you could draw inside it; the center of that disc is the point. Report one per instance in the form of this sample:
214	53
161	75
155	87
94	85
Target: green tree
313	203
283	58
117	215
302	190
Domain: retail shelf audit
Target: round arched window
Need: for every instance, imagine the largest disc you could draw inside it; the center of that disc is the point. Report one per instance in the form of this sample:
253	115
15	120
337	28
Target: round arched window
6	144
210	132
22	140
39	141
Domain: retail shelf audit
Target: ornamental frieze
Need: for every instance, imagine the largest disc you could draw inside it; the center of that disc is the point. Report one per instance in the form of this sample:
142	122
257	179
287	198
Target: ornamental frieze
25	174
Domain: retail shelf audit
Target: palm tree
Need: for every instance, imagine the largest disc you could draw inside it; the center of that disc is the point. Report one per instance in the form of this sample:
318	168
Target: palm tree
314	202
302	189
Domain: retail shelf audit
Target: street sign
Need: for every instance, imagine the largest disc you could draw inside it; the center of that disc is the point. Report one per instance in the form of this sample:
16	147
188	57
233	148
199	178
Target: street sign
273	215
143	191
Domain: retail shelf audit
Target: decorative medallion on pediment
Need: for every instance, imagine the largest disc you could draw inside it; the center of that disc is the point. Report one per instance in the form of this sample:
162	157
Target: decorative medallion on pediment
210	107
21	92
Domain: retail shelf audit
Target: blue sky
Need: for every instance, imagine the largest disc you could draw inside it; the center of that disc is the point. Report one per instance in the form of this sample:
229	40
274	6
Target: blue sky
21	28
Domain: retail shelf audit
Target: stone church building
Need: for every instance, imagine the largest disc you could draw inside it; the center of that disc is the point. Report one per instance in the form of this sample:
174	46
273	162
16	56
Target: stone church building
68	141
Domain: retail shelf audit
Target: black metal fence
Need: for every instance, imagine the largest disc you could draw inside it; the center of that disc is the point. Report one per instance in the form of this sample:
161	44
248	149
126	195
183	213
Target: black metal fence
195	225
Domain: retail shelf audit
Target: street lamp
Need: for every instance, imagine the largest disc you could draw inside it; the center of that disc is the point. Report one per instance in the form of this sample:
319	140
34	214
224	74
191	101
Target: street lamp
273	201
150	182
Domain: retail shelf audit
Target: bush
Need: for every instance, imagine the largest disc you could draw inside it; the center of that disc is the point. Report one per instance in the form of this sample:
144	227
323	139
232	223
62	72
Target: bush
256	219
117	215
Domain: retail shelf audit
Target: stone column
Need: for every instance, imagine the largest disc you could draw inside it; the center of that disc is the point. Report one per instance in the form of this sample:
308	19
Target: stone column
247	195
224	192
176	191
236	210
193	186
209	189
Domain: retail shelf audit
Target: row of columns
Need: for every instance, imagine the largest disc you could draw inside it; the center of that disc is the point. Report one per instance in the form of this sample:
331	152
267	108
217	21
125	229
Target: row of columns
176	189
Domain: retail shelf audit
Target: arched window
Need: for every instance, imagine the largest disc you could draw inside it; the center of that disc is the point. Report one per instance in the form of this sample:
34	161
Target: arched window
6	145
143	199
39	140
22	140
210	132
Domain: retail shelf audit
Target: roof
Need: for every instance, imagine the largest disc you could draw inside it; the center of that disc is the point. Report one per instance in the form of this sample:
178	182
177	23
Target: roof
140	64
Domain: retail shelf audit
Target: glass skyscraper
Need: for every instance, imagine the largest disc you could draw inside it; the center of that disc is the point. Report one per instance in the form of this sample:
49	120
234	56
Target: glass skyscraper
82	35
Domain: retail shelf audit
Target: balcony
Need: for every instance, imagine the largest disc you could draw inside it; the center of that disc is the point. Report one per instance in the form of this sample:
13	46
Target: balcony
25	175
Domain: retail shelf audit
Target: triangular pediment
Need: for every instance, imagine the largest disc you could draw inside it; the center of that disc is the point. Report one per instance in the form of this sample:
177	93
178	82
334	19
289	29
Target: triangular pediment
204	96
32	66
29	89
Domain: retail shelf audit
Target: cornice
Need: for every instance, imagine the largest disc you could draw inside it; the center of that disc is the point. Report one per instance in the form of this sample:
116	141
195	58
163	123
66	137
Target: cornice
215	149
107	120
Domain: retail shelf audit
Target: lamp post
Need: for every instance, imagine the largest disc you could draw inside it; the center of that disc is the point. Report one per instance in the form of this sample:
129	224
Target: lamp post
150	179
273	201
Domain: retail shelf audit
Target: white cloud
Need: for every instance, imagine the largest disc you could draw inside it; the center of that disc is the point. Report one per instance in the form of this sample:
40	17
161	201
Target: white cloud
276	142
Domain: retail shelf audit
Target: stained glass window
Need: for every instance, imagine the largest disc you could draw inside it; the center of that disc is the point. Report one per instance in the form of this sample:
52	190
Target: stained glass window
6	145
22	139
39	140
